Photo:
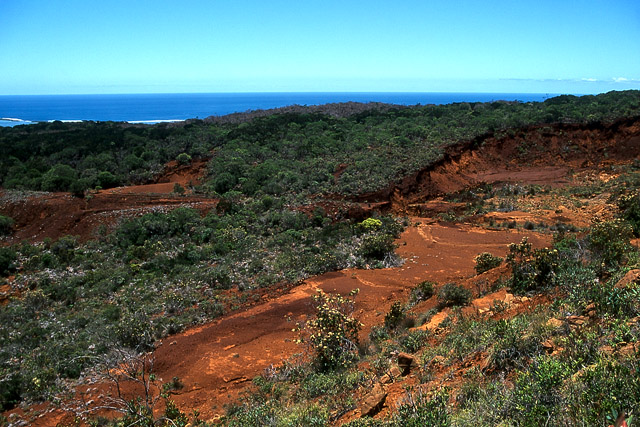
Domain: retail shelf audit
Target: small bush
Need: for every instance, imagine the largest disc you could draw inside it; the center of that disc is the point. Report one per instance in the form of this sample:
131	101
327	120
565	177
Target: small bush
629	206
395	315
178	189
422	292
6	225
452	294
486	261
413	341
537	393
333	333
7	261
531	269
420	409
183	159
377	246
610	242
370	224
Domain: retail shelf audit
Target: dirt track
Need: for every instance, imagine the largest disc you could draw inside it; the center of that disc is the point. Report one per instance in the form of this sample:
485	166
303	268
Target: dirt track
217	361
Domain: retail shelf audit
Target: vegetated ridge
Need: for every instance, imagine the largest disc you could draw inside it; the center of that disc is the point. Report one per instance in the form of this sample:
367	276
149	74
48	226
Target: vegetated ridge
547	334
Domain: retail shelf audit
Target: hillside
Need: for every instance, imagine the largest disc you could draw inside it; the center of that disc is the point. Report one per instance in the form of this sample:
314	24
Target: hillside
211	283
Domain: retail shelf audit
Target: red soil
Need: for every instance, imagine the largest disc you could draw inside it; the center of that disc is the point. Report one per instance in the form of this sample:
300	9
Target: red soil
217	361
53	215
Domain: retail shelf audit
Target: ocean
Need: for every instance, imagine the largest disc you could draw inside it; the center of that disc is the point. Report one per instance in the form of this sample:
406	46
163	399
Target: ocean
154	108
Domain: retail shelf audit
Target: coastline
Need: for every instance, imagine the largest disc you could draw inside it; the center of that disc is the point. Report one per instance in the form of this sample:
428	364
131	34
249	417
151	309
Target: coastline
174	108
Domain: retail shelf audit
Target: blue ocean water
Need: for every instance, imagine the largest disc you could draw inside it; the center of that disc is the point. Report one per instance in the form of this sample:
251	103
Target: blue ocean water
180	106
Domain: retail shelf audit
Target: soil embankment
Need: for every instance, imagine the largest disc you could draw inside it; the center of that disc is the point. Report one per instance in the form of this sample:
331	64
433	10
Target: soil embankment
532	155
52	215
216	362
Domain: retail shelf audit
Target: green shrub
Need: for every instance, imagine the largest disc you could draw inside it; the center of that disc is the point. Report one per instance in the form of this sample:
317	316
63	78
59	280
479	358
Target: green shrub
378	334
514	343
59	178
79	187
134	331
420	409
183	159
106	179
422	292
629	206
377	246
486	261
620	302
394	316
537	394
452	294
413	341
531	269
608	386
64	248
610	242
370	224
8	258
178	189
333	333
6	225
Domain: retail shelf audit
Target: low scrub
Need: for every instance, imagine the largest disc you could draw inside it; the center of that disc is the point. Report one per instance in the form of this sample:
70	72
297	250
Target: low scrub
452	294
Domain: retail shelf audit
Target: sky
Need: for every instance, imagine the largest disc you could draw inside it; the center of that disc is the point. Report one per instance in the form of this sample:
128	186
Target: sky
189	46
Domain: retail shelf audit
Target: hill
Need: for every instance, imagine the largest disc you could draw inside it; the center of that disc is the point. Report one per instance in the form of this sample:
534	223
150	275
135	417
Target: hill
207	294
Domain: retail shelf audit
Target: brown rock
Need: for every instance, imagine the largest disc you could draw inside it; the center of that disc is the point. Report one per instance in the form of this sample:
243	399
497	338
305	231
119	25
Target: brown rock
577	320
373	401
590	310
633	276
607	349
548	346
406	362
554	323
393	374
629	349
386	379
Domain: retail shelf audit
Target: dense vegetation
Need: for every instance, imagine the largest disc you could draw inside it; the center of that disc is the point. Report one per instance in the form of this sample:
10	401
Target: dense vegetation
286	153
496	371
155	274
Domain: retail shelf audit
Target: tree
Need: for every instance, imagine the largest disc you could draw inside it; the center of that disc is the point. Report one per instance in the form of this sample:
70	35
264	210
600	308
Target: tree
59	178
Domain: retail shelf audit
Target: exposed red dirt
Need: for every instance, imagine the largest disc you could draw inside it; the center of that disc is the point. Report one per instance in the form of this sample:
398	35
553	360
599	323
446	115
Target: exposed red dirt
217	361
53	215
533	155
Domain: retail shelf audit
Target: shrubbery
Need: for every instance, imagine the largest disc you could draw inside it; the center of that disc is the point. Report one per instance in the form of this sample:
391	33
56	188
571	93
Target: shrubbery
394	316
332	333
8	258
452	294
486	261
6	225
609	241
422	292
531	268
629	206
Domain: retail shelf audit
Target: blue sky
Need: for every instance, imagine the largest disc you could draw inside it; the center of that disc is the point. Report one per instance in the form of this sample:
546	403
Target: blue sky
140	46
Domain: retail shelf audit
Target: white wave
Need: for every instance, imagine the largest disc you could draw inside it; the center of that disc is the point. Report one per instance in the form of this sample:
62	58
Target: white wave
150	122
11	119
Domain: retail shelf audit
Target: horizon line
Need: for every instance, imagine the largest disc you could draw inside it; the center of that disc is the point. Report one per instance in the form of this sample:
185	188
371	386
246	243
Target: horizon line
310	92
